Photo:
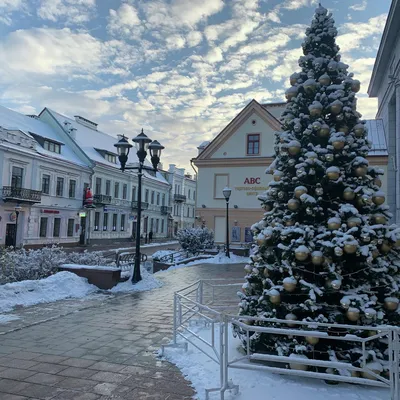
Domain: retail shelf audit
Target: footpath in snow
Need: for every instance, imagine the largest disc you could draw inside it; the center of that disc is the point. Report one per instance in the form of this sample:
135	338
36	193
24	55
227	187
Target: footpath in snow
255	385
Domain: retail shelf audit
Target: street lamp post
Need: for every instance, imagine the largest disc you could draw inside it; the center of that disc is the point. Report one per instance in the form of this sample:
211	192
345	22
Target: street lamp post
17	209
142	143
227	194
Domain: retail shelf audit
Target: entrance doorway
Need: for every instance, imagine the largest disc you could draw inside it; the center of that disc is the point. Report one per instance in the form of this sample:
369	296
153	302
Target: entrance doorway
10	234
83	231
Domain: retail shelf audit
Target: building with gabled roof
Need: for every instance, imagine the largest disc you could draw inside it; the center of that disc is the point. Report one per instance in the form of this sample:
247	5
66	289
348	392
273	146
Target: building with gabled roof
238	157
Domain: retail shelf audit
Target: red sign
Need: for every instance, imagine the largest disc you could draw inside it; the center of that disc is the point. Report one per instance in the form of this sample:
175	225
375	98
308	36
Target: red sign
252	181
50	211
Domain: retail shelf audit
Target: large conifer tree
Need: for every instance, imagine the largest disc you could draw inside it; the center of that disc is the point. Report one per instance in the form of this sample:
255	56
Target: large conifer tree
324	250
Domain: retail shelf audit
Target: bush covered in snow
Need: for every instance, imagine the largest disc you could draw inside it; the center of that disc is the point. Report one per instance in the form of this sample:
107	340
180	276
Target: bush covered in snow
195	239
24	264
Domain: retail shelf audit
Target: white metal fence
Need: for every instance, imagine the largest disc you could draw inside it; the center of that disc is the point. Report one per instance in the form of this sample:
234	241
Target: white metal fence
215	302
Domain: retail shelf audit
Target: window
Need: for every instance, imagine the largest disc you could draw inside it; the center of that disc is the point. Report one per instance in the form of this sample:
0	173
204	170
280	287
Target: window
56	228
253	144
60	187
111	158
72	188
152	224
52	146
116	190
157	224
16	178
220	182
162	226
98	186
134	193
114	225
46	184
188	211
96	221
124	191
105	221
158	198
122	222
146	196
163	200
43	227
152	197
189	194
108	188
70	229
194	195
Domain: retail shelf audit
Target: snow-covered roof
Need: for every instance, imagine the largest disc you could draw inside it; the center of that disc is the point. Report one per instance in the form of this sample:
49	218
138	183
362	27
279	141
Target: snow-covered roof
376	134
89	140
12	120
203	145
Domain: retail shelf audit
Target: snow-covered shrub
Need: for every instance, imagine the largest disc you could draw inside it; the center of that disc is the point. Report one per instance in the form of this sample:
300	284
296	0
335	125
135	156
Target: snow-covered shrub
195	239
24	264
162	253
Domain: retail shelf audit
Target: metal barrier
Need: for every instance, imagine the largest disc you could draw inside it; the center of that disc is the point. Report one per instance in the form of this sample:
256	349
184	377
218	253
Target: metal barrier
201	302
126	260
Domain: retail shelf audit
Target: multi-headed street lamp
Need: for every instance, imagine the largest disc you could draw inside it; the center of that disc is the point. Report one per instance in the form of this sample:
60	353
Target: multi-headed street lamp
227	194
143	143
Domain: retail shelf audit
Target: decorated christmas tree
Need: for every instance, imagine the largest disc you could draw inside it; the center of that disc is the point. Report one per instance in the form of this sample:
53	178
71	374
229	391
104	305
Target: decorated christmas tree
324	250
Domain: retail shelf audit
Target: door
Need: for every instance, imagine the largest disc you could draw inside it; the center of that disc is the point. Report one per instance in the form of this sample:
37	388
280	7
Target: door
10	234
83	231
220	229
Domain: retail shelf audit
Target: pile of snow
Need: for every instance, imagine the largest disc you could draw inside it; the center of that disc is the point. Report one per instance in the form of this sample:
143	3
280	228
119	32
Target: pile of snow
148	282
62	285
204	374
220	258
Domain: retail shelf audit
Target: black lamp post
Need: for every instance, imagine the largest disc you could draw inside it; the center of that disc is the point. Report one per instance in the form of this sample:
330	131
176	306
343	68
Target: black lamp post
17	209
142	143
227	193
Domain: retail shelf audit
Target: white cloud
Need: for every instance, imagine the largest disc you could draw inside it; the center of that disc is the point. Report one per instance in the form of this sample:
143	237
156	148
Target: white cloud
214	55
359	7
124	21
73	11
8	7
367	107
296	4
175	42
194	38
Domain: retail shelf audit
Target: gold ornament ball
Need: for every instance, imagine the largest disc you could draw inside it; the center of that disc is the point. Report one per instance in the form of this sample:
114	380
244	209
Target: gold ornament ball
324	80
267	207
293	204
289	286
391	304
324	131
353	222
275	299
261	242
266	272
277	177
378	199
350	248
338	144
353	315
359	130
348	194
336	108
329	157
344	129
361	171
380	219
294	150
289	222
334	225
291	317
397	243
299	191
301	255
312	340
315	112
355	85
309	85
333	175
377	182
317	259
385	247
375	253
291	93
248	268
293	79
298	367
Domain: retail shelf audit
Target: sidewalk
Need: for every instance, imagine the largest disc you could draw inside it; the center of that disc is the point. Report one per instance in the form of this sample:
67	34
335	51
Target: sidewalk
106	351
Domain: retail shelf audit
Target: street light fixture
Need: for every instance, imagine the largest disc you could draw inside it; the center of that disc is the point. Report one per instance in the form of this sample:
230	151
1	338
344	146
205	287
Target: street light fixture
17	209
142	143
227	194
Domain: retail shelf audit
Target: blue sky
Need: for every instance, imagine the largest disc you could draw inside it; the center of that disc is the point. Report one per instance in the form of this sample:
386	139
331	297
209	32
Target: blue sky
181	69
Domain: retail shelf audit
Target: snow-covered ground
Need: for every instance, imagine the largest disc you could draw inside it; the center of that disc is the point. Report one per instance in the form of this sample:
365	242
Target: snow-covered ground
204	373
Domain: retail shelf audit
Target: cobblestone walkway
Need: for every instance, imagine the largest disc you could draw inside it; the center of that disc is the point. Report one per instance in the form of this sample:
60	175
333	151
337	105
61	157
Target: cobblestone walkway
104	350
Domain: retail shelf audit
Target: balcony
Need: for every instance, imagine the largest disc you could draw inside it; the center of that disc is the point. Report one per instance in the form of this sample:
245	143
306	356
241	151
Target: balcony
145	205
121	202
179	198
165	210
101	199
21	195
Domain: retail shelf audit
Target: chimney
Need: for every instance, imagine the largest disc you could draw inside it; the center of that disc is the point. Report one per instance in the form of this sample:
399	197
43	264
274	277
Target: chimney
86	122
171	168
202	147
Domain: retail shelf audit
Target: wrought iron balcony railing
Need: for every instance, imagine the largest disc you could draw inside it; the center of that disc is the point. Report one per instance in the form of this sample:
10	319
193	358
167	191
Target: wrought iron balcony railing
21	195
166	210
121	202
101	199
145	205
179	197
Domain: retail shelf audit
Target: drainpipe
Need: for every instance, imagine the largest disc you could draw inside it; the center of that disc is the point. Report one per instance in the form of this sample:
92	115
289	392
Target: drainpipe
197	176
397	157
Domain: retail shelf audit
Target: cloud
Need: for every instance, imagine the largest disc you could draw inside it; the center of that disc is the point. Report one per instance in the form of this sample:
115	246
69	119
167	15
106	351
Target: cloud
73	11
8	7
359	7
124	21
296	4
214	55
194	38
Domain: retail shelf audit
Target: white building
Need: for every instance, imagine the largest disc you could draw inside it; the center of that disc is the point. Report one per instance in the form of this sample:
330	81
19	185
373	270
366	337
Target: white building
115	192
183	197
41	173
385	84
238	157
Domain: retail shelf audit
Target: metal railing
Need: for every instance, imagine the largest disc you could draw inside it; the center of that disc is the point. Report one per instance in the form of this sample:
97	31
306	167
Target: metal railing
201	302
145	205
102	199
11	193
166	210
121	202
179	197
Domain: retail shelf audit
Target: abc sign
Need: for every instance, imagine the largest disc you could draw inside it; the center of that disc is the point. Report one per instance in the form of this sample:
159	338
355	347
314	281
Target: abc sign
252	181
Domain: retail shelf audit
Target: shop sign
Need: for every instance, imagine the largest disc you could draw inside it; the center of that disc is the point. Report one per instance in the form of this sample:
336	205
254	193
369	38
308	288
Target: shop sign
13	216
252	181
44	211
82	214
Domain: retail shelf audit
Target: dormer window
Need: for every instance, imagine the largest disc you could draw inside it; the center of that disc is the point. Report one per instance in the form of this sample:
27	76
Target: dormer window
52	146
111	158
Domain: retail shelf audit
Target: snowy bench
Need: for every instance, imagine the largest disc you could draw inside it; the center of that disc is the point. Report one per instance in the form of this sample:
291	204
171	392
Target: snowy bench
102	277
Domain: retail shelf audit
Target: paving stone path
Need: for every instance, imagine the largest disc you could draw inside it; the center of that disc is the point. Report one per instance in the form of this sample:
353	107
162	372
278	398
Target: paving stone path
105	349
